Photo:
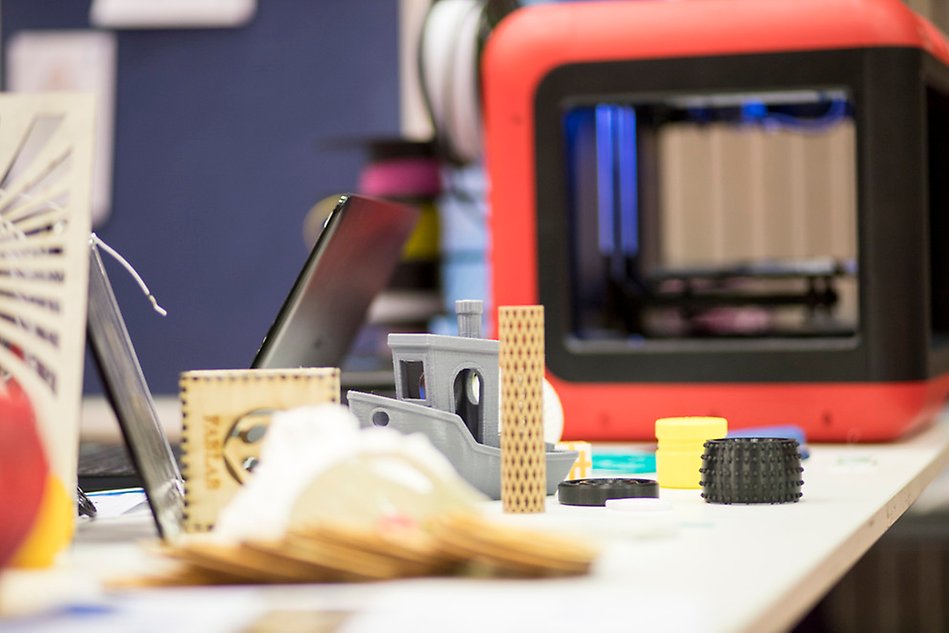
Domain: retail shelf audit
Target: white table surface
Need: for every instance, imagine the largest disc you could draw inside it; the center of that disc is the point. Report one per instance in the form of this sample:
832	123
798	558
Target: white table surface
711	567
99	424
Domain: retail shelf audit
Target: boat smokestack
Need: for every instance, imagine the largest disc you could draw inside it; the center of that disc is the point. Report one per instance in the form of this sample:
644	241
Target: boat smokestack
469	317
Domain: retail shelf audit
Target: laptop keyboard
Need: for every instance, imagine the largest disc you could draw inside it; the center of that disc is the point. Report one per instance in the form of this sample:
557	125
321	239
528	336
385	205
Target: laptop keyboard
109	467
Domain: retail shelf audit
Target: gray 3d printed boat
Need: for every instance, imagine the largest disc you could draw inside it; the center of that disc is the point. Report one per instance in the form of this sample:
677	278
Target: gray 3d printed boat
447	389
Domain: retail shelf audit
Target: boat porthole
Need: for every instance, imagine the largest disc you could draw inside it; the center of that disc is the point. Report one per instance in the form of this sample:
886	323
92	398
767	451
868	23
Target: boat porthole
380	418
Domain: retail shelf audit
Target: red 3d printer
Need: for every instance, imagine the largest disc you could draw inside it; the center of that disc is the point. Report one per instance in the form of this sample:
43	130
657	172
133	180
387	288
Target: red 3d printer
729	207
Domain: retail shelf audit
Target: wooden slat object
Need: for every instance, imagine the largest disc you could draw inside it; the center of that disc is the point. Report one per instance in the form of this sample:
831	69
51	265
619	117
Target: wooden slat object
222	411
46	144
449	544
521	359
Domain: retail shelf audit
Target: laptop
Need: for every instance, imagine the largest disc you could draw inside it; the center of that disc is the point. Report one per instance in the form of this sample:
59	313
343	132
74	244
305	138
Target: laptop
128	393
351	262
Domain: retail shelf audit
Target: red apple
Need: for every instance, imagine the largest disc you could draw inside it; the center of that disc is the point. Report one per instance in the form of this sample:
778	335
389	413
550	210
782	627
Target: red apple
23	469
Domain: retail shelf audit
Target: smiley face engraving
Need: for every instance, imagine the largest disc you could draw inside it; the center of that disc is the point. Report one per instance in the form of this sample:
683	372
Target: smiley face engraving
243	441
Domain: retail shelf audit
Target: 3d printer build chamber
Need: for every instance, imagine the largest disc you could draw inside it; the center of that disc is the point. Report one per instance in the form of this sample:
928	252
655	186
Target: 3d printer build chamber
727	207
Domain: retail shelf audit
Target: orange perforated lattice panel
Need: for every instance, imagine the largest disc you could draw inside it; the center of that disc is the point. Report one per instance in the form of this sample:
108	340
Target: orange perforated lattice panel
521	359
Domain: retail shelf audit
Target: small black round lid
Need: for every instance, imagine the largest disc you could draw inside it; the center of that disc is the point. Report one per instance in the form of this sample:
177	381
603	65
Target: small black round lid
751	470
596	491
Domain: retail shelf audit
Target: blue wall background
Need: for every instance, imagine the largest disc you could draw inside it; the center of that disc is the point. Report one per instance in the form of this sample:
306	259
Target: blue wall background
223	141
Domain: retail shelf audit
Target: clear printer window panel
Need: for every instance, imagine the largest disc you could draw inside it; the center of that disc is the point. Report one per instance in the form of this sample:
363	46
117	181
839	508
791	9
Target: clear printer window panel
727	216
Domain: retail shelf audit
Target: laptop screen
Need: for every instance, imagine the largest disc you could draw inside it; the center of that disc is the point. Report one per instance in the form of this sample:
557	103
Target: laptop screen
132	402
352	261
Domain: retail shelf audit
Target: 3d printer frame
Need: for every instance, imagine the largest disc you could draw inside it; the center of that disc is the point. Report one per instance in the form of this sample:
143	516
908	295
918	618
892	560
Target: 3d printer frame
892	373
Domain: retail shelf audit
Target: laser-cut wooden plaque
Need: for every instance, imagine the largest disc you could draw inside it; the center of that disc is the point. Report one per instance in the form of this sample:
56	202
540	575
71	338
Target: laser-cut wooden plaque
521	359
225	414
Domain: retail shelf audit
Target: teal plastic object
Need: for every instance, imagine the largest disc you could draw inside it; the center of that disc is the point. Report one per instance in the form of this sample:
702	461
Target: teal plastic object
635	462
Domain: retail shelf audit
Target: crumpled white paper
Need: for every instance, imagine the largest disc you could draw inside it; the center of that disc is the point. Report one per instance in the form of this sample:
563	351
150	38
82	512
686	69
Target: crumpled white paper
316	464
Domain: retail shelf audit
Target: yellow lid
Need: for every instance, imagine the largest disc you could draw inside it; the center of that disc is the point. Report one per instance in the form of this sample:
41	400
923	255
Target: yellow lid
698	427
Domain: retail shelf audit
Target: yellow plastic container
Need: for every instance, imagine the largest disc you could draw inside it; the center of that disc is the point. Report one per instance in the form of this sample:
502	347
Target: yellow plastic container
679	454
52	530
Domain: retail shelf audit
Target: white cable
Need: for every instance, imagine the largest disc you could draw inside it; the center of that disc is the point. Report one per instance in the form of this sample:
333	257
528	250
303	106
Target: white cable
95	239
